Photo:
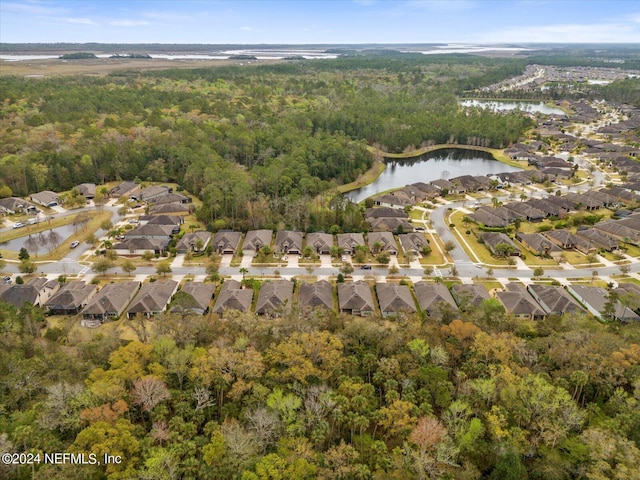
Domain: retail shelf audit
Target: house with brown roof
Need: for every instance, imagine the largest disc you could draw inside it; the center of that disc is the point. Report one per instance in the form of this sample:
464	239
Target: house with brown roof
619	231
384	212
87	190
382	242
226	242
172	198
493	239
109	303
519	303
561	238
177	209
152	231
152	193
469	294
554	299
316	295
394	299
489	218
538	244
124	189
433	298
598	238
233	296
412	242
140	245
152	298
71	298
13	205
194	242
193	297
390	224
289	242
173	220
274	297
256	239
349	241
524	211
355	298
320	242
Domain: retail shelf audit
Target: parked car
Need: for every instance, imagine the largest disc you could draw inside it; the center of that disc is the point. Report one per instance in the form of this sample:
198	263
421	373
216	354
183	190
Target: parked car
6	280
18	225
365	267
74	244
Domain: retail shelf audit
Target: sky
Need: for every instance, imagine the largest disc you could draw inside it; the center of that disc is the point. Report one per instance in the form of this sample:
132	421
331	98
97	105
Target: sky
320	21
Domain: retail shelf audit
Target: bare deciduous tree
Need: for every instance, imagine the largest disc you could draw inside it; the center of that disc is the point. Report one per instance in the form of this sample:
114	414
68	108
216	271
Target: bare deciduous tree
148	392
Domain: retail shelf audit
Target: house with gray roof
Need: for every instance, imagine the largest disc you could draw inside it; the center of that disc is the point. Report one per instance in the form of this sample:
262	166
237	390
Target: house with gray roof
619	231
561	238
71	298
384	240
226	242
178	209
355	298
256	239
109	303
316	295
274	297
412	242
520	304
554	299
598	238
87	190
349	241
152	231
394	299
433	298
35	292
152	193
289	242
152	298
384	212
233	296
489	218
140	245
172	198
46	198
595	298
193	297
469	294
390	224
524	211
124	189
320	242
13	205
173	220
629	294
194	242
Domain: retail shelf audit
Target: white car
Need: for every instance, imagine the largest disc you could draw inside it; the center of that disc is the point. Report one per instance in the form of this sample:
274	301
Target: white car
18	225
74	244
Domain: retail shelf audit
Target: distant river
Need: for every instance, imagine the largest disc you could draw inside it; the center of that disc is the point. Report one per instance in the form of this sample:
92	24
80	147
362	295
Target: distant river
496	105
448	162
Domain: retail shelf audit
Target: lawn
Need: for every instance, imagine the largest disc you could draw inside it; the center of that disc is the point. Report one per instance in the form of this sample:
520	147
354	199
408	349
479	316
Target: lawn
470	243
435	257
488	284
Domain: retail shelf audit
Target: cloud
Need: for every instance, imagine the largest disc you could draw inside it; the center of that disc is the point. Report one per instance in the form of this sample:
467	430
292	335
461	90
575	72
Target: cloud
82	21
248	29
129	23
565	33
32	9
440	5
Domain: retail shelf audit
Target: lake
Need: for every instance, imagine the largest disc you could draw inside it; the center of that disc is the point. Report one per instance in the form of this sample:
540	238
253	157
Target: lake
449	162
529	107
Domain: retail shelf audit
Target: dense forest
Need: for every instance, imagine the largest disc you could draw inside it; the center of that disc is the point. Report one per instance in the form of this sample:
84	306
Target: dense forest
320	395
256	143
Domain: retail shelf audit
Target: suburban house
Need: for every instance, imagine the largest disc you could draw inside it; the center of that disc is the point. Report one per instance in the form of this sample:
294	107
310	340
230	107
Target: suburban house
274	297
174	220
180	209
289	242
152	298
562	238
598	238
193	297
152	193
35	292
595	298
619	231
124	189
233	297
493	239
471	294
316	295
139	245
193	242
629	293
554	299
349	241
433	298
519	303
320	242
390	224
109	303
382	242
394	299
46	198
524	211
226	242
87	190
71	298
172	198
12	205
384	212
412	242
256	239
398	199
538	244
355	298
151	231
489	218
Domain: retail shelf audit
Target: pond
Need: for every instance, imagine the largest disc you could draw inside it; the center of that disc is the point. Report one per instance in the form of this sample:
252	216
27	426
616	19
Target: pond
530	107
448	162
40	242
